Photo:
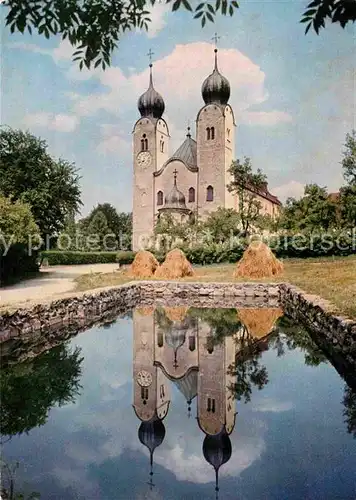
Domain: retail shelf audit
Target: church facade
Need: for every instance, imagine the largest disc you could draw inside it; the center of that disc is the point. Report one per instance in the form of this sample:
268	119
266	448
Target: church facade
191	182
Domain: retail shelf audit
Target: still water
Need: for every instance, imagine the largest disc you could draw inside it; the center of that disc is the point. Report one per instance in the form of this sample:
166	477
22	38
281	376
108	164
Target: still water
181	404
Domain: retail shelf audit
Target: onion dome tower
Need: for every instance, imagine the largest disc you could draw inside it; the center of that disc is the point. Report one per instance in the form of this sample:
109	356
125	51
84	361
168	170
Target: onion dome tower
151	434
216	88
217	451
175	199
151	103
174	202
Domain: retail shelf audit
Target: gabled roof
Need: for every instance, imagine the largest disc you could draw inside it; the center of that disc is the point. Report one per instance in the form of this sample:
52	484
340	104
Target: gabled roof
186	153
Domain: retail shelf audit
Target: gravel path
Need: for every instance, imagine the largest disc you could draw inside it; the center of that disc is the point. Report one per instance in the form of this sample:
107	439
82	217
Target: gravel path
52	281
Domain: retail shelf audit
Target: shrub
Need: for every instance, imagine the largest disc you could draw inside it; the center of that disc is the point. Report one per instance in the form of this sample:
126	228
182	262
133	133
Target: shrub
287	246
17	225
59	258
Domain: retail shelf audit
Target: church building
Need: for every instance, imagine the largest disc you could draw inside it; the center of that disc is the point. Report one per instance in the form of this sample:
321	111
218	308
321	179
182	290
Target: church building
193	181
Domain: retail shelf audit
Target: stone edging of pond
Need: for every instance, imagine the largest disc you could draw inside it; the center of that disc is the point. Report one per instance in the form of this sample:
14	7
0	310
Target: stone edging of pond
87	308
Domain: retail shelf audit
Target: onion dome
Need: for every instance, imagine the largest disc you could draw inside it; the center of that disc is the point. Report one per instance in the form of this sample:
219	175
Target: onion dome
151	103
216	88
175	199
151	434
217	451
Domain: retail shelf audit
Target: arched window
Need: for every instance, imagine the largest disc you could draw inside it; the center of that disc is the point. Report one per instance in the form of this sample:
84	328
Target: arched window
210	133
144	393
210	344
160	198
191	195
160	339
162	146
210	193
192	343
144	143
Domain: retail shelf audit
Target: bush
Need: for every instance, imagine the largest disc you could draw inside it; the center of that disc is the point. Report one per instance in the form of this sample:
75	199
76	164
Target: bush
125	257
288	246
61	258
17	263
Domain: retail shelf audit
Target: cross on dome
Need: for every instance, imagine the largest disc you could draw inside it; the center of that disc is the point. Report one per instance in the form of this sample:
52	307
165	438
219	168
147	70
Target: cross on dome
216	38
150	54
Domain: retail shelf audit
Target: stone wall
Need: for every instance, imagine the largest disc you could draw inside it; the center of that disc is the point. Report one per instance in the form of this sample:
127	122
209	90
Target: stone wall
62	318
335	335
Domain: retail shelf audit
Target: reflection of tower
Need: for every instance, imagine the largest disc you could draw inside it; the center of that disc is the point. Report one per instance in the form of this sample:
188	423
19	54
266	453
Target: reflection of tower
151	391
215	400
217	451
151	435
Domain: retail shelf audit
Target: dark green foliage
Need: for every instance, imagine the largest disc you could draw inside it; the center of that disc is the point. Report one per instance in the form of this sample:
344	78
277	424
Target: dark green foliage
17	263
336	11
29	174
29	390
94	27
294	246
62	258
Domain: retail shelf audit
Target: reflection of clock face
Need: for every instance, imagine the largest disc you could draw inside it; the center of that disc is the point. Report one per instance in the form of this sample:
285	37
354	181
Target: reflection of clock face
144	379
144	159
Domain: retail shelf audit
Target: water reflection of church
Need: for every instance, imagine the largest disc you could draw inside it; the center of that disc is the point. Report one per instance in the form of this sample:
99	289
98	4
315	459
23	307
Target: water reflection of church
173	346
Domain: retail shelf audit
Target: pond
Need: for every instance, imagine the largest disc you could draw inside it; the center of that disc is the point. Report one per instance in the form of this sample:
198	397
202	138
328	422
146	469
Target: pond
177	403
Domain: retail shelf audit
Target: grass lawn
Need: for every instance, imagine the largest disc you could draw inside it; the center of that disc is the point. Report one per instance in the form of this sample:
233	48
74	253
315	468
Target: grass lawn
333	278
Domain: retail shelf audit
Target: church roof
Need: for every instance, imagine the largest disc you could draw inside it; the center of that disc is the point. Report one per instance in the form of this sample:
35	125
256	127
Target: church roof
188	385
187	152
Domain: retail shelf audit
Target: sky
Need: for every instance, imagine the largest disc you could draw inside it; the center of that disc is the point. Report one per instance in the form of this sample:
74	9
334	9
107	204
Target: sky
293	95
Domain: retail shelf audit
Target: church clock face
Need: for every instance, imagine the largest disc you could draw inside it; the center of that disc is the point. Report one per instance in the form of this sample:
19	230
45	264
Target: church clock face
144	379
144	159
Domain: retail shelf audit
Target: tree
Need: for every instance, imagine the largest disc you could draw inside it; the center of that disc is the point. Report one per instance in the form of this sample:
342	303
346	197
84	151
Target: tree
315	211
17	226
348	192
119	224
246	185
29	174
30	389
98	229
223	224
16	222
94	27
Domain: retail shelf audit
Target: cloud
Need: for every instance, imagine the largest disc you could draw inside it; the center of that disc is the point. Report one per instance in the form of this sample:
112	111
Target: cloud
293	189
158	16
270	405
113	140
178	77
265	118
60	122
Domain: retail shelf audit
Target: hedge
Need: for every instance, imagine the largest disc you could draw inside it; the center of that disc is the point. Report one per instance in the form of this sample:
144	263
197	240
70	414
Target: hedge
63	258
17	264
297	246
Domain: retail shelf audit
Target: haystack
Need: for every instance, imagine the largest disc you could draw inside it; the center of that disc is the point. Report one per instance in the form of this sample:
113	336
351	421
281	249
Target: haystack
144	265
175	265
259	322
258	261
176	313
